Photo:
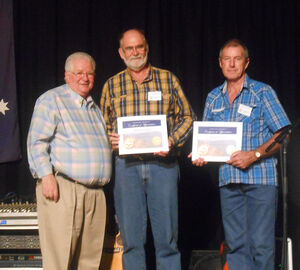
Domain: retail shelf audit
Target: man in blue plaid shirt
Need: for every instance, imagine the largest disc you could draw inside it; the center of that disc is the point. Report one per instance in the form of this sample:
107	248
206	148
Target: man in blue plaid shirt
248	180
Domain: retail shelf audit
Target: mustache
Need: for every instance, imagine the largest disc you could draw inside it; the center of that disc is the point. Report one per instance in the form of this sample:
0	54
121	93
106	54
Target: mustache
136	57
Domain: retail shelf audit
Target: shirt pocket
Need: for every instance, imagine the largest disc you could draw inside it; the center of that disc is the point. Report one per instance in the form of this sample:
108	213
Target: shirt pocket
163	106
253	123
167	104
218	114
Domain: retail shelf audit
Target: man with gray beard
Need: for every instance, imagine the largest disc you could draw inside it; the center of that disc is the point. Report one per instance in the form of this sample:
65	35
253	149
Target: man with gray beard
146	182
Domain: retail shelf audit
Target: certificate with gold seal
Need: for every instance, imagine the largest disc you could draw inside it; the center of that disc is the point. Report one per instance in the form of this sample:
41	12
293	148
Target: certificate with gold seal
142	134
216	141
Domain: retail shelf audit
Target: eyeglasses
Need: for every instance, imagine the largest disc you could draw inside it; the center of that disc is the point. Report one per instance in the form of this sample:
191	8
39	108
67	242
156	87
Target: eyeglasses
139	48
83	74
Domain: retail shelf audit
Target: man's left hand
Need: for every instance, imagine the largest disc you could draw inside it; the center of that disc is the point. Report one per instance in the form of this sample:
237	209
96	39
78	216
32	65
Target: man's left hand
242	159
163	153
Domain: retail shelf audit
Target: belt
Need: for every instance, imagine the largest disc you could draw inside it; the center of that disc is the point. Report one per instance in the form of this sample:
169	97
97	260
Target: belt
148	157
94	185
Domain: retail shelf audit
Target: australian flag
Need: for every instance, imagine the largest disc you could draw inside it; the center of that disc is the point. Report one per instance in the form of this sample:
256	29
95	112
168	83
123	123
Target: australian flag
9	127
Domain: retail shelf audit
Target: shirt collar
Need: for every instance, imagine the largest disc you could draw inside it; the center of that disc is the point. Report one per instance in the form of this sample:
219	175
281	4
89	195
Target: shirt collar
150	75
223	87
79	100
147	79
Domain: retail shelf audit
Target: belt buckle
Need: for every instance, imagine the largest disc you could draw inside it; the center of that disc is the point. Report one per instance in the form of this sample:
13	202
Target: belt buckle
94	182
136	157
140	157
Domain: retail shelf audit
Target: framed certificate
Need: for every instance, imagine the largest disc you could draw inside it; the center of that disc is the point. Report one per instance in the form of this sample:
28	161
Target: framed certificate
142	134
216	141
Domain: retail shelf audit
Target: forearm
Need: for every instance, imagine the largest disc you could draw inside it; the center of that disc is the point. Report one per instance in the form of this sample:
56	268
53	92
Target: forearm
262	149
183	125
39	163
181	132
38	155
244	159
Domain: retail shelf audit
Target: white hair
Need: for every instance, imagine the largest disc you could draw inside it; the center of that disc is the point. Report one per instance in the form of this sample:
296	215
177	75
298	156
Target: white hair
76	55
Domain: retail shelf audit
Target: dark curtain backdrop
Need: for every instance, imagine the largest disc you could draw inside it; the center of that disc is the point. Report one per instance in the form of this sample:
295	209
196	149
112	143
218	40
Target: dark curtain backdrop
185	37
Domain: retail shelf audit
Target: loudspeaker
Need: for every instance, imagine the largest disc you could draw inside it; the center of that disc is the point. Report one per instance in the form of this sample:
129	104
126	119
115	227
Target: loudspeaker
205	260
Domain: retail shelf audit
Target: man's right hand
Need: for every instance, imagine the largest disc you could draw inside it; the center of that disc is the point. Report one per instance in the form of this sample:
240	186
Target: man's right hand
50	187
114	140
199	162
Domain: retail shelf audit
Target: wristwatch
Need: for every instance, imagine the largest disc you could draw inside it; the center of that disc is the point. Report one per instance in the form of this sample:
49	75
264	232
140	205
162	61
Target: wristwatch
257	154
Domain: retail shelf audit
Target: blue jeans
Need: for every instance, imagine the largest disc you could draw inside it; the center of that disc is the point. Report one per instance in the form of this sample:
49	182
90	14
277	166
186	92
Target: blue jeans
152	186
249	213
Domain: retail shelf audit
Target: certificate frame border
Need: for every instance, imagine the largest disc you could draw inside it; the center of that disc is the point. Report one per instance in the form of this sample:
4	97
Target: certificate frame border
146	150
212	158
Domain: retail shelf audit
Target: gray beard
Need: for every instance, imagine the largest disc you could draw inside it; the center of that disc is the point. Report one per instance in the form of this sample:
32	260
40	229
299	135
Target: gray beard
143	62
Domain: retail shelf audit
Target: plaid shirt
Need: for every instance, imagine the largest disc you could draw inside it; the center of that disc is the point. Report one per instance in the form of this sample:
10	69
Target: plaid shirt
267	116
67	134
122	96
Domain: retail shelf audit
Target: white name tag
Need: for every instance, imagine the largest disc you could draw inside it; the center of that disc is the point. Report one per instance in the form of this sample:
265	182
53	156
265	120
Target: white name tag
154	95
244	110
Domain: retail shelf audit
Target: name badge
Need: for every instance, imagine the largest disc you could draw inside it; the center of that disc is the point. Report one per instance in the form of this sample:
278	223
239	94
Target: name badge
244	110
154	95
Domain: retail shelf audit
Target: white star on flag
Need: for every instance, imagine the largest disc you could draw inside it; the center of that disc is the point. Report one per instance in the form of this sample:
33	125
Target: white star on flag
3	106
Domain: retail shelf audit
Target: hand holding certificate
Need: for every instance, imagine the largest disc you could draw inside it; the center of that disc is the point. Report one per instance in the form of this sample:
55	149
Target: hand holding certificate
142	134
216	141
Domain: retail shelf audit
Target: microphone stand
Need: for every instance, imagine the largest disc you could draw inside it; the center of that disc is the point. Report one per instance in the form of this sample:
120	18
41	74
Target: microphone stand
284	251
281	138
